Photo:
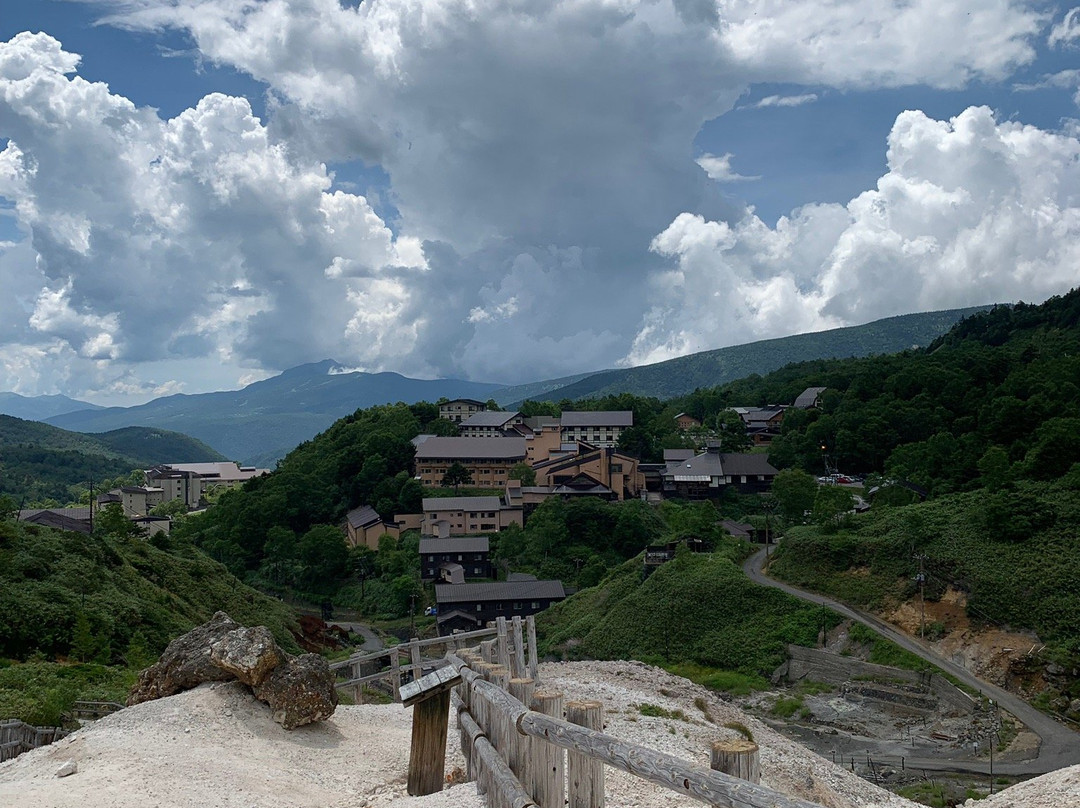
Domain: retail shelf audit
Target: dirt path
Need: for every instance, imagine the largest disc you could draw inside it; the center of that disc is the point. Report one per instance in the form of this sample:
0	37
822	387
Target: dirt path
1059	746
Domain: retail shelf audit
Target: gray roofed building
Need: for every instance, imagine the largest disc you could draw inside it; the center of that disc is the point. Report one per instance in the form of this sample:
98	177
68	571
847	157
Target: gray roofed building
364	516
499	591
810	397
461	503
456	544
580	418
671	455
709	473
471	449
492	418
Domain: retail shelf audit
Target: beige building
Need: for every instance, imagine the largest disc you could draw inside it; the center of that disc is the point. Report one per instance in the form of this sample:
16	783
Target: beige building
488	460
226	474
460	408
490	424
364	526
137	500
468	516
597	428
618	472
176	484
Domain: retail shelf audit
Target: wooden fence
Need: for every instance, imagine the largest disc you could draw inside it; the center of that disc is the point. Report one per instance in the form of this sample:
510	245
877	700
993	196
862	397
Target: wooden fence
522	753
511	636
17	737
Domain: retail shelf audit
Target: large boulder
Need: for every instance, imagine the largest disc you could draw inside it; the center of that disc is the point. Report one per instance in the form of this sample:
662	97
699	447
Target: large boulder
299	691
249	654
186	663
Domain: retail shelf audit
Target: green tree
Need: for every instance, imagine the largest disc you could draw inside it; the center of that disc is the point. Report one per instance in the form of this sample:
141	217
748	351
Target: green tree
524	472
457	475
994	469
172	507
732	429
795	491
831	506
111	521
83	643
137	655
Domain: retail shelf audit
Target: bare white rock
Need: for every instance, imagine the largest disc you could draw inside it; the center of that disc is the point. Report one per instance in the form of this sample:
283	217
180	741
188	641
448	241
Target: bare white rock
66	768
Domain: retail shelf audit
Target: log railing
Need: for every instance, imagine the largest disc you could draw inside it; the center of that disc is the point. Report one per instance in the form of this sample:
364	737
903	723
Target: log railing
17	737
512	641
522	756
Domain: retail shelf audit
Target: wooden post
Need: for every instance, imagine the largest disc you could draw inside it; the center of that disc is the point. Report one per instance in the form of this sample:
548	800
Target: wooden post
503	650
414	657
427	755
530	626
518	757
548	769
487	651
737	757
585	775
395	673
518	661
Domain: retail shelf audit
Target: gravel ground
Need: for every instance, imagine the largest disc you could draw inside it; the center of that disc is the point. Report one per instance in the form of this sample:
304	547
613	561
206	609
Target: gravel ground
216	747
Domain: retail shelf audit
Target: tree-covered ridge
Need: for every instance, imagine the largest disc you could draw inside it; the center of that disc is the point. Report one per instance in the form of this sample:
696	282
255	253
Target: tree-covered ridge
364	458
682	375
39	462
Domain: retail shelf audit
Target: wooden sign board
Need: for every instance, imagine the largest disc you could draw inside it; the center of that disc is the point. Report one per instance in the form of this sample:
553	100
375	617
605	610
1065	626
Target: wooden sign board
426	686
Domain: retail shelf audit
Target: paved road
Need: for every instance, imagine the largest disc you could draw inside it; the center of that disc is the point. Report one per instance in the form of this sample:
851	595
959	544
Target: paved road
1059	746
371	640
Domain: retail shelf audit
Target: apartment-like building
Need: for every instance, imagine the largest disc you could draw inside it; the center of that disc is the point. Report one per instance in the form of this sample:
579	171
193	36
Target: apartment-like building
456	559
175	484
617	471
490	424
460	408
488	460
466	516
598	428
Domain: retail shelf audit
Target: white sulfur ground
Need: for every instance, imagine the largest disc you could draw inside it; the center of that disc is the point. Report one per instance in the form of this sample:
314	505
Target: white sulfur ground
216	747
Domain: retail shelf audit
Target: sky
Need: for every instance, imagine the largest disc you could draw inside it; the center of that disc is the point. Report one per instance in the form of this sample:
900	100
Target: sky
198	194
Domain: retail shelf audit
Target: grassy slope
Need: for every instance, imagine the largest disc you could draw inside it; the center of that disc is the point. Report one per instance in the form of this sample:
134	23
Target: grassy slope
697	608
47	577
1024	580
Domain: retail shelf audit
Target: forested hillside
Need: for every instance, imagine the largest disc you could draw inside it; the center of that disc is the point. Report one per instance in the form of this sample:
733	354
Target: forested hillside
680	376
41	463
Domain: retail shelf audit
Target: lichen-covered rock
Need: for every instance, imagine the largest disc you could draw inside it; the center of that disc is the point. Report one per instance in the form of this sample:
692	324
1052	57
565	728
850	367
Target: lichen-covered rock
299	691
186	663
249	654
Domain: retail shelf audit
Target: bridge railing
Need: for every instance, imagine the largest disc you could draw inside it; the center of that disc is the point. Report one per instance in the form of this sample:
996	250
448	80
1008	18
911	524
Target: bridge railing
522	752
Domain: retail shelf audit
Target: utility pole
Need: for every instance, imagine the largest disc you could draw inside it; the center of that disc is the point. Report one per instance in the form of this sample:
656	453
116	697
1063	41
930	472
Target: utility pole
412	615
921	579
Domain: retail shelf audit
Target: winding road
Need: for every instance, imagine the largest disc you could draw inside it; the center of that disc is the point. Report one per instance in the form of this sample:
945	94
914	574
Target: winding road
1059	747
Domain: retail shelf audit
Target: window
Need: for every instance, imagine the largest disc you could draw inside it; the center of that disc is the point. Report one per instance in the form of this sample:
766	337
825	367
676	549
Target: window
536	604
479	606
459	558
616	468
476	570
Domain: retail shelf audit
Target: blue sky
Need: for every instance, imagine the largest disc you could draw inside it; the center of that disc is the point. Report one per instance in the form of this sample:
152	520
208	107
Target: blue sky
451	190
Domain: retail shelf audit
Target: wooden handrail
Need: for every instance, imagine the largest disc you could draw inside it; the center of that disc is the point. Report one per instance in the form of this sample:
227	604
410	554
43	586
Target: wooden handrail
712	787
450	639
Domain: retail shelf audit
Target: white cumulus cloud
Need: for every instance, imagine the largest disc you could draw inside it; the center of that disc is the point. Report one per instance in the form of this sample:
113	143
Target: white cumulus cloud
971	211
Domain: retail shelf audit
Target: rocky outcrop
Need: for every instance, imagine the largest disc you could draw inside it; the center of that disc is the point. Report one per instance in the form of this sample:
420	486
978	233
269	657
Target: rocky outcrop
249	654
186	663
300	691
